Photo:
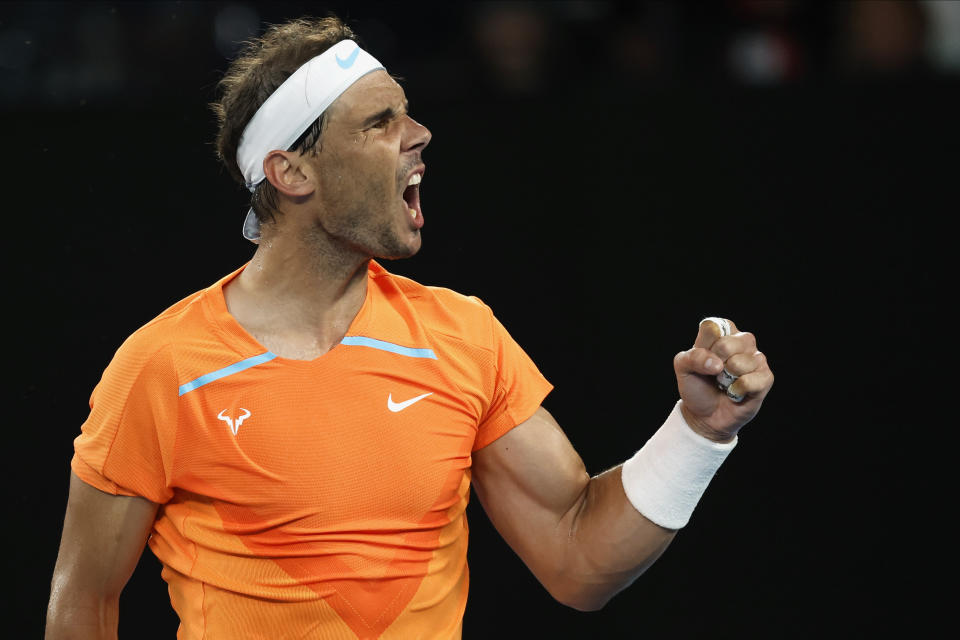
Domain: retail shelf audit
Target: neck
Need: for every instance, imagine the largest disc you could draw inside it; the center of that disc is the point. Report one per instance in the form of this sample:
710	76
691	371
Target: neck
298	295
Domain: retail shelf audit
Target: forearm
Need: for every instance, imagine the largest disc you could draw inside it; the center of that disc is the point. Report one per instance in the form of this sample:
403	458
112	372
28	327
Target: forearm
606	544
613	542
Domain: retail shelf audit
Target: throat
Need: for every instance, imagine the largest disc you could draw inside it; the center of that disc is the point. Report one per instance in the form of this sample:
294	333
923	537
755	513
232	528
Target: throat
296	320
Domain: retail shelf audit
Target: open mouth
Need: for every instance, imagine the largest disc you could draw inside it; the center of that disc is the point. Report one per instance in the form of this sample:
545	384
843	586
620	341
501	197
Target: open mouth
411	198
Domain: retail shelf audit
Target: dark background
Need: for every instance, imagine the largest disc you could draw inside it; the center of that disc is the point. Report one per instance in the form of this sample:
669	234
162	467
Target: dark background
603	174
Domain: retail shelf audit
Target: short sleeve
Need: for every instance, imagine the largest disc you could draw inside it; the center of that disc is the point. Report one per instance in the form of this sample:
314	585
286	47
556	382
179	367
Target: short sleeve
519	388
125	445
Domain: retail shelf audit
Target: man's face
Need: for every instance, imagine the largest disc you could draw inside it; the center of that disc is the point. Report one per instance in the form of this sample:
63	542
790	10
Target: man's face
369	155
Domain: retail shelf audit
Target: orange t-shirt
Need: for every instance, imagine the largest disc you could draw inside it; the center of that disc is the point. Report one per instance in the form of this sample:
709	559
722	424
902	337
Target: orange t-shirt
310	499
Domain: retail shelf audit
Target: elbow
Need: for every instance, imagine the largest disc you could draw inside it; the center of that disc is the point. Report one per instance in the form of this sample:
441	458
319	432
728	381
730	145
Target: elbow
582	596
587	587
585	604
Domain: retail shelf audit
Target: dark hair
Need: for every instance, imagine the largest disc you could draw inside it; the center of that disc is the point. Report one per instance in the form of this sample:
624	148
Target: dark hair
263	65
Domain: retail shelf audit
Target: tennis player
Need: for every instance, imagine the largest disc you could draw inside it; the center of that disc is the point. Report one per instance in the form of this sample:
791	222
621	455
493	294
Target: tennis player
296	442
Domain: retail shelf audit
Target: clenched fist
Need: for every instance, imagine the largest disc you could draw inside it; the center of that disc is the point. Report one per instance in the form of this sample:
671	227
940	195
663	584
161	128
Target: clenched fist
710	410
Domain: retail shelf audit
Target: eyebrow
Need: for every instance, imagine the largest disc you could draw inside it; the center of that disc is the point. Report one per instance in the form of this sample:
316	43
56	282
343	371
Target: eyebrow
385	114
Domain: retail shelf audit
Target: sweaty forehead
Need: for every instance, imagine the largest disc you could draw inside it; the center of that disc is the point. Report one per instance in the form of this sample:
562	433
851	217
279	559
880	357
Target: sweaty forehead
371	93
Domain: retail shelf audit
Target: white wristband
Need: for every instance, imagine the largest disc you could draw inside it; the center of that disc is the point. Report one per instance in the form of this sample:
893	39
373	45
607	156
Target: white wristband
666	477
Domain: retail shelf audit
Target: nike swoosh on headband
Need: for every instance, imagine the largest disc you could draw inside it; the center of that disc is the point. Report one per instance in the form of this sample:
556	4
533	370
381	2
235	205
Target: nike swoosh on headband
350	59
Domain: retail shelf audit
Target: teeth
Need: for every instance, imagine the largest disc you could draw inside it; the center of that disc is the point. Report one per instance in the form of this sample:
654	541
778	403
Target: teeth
415	179
413	213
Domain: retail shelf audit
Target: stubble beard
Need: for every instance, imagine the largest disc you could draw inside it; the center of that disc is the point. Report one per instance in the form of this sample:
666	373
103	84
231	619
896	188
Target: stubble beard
388	245
356	237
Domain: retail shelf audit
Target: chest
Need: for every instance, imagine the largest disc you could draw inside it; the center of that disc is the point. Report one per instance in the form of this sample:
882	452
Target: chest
328	444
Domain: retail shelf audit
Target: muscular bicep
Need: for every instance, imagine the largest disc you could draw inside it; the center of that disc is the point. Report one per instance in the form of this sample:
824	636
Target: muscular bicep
103	538
531	482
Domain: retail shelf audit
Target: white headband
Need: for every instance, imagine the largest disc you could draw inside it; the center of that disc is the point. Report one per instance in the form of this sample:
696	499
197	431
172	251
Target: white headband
296	103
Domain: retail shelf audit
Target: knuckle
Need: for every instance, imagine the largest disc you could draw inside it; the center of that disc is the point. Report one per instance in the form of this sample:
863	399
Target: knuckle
739	365
722	348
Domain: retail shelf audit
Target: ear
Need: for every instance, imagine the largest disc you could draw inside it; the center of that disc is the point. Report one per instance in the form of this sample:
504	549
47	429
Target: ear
285	171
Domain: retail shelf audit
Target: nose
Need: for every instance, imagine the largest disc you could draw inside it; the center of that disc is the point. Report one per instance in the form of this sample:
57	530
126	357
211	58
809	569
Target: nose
416	136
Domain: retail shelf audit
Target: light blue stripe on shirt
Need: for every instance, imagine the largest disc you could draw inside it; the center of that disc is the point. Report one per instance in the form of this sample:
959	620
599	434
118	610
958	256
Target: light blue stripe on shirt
237	367
363	341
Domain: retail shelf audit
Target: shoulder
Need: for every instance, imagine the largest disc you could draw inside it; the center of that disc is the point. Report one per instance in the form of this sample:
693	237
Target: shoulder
152	346
169	325
442	310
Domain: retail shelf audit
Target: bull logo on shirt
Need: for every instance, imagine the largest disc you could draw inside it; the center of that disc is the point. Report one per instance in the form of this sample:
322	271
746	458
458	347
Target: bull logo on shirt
234	424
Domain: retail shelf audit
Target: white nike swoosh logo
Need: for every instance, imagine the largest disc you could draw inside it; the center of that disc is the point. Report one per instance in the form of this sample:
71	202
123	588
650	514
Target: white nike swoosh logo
400	406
